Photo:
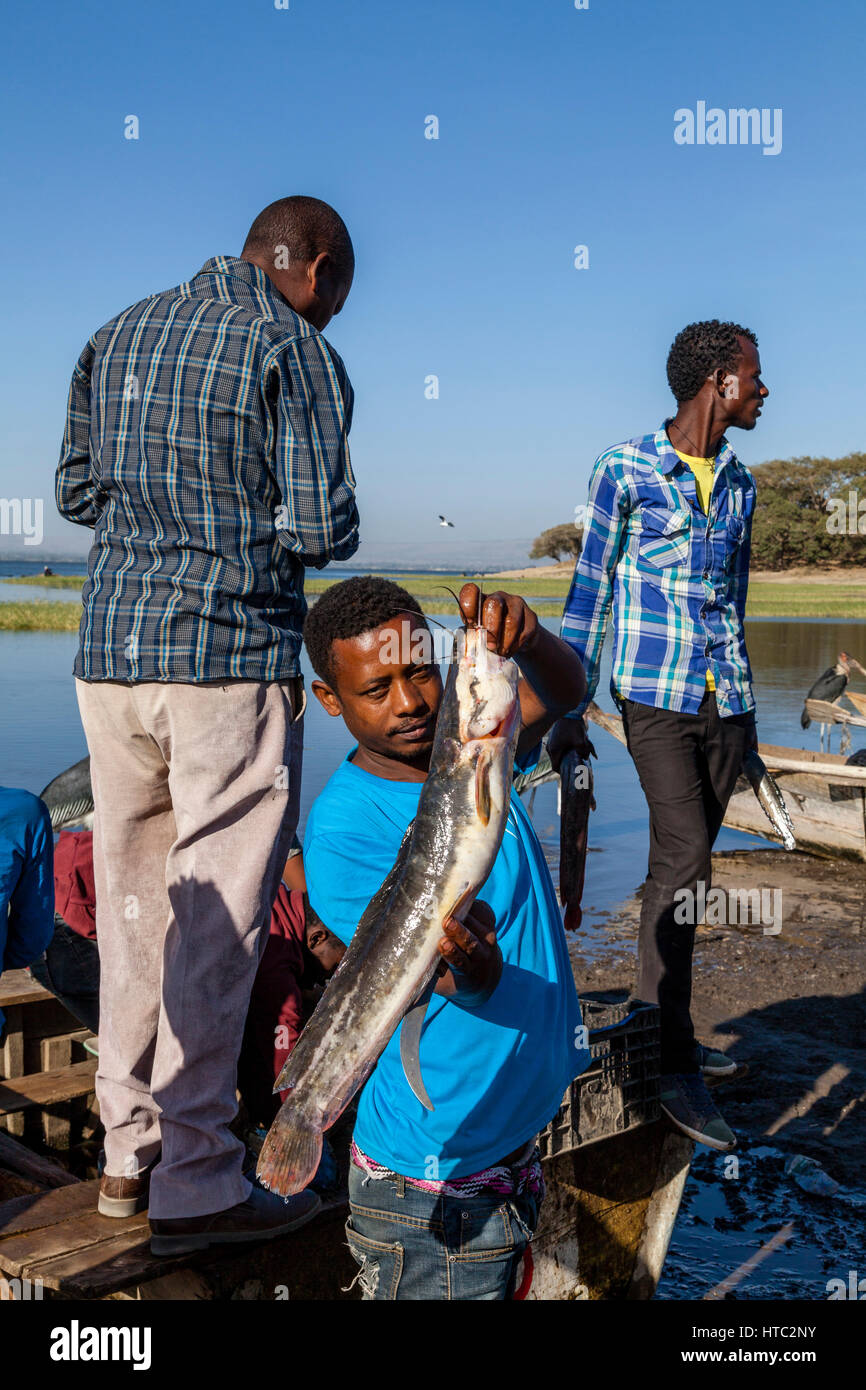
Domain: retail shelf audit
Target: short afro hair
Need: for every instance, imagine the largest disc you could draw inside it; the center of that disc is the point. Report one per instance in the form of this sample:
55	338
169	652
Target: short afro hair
349	609
305	227
699	350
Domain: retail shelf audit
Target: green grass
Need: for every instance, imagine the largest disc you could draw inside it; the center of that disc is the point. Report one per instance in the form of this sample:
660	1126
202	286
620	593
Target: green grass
767	599
434	584
41	616
48	581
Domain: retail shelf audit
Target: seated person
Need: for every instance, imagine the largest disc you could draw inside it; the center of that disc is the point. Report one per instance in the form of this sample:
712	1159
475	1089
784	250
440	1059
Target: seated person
444	1202
297	961
26	889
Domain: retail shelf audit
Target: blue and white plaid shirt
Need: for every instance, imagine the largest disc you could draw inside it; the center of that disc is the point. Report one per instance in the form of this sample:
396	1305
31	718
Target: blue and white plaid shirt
675	577
206	444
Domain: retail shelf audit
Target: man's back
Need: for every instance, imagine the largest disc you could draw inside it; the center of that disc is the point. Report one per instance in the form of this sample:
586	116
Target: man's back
206	444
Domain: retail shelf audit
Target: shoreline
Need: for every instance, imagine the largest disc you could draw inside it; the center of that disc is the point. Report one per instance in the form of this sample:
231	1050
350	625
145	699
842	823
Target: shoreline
803	593
789	1007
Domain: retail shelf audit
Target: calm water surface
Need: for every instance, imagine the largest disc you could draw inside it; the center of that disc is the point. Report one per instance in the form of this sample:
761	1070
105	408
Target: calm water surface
41	734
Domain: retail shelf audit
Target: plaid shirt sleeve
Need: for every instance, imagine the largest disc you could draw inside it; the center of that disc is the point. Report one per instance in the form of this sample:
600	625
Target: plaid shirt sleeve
587	608
739	585
313	414
78	496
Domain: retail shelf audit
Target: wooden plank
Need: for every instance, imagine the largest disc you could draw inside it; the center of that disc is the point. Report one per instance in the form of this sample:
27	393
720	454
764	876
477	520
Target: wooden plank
100	1270
17	1158
84	1245
47	1088
825	712
45	1019
19	987
13	1060
56	1055
22	1214
857	700
13	1185
821	826
770	751
316	1253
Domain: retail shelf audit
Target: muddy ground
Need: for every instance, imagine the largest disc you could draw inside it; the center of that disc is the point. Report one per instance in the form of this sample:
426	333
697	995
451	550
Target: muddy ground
791	1006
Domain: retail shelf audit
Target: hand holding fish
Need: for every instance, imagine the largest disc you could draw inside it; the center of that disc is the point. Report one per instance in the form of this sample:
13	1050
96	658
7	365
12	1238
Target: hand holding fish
565	736
511	624
471	959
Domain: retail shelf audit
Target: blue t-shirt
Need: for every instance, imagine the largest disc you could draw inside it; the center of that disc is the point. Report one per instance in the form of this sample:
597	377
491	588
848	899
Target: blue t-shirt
497	1073
26	879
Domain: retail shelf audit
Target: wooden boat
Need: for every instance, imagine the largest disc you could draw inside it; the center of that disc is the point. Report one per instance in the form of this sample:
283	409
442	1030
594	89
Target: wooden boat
615	1176
825	797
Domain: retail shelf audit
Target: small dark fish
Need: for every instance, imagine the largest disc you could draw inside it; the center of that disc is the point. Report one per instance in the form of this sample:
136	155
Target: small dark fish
771	799
69	797
576	800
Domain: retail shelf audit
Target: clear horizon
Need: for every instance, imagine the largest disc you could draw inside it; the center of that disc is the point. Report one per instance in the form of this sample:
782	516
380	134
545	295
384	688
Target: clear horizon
558	129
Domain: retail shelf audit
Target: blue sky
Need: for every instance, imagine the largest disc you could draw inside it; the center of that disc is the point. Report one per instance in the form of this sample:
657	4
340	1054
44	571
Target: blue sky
556	129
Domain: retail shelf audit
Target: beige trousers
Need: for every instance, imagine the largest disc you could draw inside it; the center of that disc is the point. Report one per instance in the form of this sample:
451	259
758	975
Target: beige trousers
196	791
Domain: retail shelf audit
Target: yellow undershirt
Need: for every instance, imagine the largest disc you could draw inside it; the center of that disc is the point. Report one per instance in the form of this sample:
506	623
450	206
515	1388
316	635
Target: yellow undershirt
704	472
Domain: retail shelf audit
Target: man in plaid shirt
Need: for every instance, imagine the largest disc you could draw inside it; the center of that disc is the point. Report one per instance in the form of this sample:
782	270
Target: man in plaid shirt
666	546
206	445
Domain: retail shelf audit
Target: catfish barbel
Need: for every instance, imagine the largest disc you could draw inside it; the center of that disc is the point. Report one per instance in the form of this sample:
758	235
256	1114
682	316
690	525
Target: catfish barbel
392	958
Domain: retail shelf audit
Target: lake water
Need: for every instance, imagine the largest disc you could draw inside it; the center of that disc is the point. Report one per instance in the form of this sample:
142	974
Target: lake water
41	734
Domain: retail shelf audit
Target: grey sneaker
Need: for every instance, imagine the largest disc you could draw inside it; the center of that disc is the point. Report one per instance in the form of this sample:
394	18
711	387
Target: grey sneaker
688	1104
262	1216
713	1063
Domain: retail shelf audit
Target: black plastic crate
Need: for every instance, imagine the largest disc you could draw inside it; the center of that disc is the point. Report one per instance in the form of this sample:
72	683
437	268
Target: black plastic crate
620	1088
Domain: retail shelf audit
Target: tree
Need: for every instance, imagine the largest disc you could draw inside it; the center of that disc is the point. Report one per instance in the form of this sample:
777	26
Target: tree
797	516
558	541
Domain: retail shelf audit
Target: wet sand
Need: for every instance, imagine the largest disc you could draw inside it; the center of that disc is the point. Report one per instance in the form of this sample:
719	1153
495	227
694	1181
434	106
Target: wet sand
791	1007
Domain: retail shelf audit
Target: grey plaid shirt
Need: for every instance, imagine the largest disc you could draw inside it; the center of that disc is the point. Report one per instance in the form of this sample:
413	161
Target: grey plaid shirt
206	444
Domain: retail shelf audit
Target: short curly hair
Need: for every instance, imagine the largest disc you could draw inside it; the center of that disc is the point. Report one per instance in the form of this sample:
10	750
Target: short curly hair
700	349
348	609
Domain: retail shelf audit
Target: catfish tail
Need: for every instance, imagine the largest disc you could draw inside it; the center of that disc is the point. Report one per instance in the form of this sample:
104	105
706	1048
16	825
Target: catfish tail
291	1154
573	917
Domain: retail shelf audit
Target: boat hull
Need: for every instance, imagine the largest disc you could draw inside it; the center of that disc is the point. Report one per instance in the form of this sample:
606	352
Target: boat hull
829	818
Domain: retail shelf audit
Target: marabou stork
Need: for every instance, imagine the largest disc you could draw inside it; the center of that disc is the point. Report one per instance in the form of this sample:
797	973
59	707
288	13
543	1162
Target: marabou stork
830	686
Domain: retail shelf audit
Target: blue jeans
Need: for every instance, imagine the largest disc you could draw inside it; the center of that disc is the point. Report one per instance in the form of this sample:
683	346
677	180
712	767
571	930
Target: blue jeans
70	970
412	1244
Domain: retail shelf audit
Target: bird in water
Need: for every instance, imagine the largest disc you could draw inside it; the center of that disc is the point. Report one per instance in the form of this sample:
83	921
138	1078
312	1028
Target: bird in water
830	686
443	521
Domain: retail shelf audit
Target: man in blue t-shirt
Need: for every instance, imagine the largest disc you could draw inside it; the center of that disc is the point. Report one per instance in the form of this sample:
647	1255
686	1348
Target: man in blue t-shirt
443	1202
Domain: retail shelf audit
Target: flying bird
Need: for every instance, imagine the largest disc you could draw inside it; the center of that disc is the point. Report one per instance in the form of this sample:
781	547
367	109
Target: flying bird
443	522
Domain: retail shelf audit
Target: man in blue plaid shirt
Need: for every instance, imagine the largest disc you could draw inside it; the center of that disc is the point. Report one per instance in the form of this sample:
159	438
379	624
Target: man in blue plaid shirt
206	445
666	546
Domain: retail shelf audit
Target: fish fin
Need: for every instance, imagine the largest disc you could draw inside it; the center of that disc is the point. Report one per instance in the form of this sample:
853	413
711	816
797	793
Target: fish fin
291	1153
410	1041
482	788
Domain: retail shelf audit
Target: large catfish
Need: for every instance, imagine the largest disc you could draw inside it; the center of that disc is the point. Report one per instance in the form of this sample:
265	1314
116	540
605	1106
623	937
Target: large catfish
391	961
